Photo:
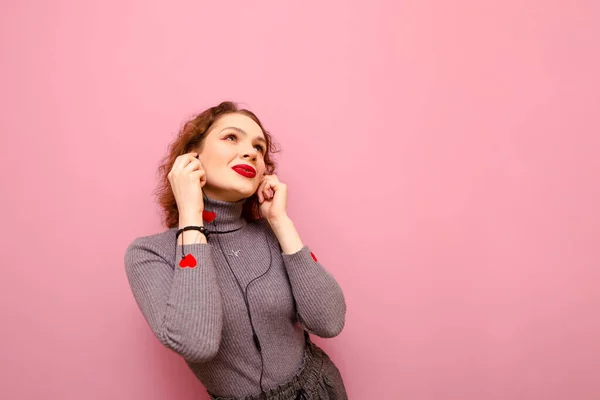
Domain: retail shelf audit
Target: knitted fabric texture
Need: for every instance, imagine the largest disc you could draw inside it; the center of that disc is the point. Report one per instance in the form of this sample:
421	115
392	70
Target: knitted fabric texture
199	311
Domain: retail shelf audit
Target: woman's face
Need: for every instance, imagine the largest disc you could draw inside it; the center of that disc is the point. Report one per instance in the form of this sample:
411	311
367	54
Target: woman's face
232	154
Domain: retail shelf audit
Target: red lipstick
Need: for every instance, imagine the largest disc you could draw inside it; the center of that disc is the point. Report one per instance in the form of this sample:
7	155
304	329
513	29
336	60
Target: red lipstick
244	170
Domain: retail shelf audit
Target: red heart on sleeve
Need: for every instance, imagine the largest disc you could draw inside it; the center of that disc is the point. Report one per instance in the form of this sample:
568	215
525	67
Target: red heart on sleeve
188	261
313	256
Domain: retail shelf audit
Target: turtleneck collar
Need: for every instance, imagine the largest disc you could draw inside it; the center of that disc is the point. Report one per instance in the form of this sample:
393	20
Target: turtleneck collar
223	215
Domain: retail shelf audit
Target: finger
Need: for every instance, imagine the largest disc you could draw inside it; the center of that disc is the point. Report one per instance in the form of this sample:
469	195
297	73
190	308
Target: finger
183	160
199	175
268	190
177	164
277	187
259	191
189	158
193	165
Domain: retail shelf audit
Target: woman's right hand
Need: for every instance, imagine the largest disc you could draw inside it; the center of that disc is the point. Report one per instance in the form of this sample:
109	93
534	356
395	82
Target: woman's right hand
187	177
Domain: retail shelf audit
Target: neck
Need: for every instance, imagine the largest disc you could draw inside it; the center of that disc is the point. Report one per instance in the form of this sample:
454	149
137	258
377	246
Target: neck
227	215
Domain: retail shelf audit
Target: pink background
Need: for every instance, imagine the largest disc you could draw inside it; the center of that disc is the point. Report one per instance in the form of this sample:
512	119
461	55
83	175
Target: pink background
442	159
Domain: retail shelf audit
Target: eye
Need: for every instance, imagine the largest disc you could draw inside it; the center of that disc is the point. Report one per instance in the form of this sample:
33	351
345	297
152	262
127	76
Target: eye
234	137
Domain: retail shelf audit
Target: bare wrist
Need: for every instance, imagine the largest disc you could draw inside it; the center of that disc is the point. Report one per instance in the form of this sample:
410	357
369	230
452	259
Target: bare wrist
280	221
191	218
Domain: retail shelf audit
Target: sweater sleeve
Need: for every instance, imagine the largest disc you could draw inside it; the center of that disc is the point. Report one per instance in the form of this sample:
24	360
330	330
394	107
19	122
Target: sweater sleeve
319	299
182	305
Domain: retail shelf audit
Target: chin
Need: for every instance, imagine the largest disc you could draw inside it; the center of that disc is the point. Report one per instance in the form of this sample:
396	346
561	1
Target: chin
236	191
246	194
242	192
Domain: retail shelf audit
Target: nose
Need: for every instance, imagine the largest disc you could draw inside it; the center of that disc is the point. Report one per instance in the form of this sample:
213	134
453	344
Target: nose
250	157
250	154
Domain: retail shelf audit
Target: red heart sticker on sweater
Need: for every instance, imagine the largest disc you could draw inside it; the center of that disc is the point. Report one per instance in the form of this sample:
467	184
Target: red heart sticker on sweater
209	216
313	256
188	261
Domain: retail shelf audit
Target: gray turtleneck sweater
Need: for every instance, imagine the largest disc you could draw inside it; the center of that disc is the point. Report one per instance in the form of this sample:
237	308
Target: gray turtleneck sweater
200	312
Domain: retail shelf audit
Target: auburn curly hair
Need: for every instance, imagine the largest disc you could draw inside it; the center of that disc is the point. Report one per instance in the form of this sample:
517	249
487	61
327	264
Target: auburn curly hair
188	139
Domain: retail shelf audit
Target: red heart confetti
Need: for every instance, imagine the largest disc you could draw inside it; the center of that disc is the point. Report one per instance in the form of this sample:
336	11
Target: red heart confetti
313	256
209	216
188	261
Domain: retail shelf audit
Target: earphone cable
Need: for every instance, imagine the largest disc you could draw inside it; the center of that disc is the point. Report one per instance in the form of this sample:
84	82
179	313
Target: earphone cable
245	295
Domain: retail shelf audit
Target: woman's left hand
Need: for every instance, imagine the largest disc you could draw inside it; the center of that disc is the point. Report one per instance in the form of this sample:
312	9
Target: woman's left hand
272	197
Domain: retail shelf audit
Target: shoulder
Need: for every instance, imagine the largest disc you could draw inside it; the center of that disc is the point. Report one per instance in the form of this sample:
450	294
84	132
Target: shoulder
157	246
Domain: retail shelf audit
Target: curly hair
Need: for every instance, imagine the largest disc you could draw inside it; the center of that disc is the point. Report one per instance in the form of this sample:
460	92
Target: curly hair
188	139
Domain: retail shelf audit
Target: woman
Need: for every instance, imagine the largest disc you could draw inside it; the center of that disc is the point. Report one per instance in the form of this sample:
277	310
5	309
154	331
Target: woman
230	286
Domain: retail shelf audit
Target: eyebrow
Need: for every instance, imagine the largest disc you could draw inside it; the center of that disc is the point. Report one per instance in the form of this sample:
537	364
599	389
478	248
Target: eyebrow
243	132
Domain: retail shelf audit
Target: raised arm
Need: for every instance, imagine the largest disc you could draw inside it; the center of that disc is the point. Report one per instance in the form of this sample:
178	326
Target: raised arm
319	299
182	305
